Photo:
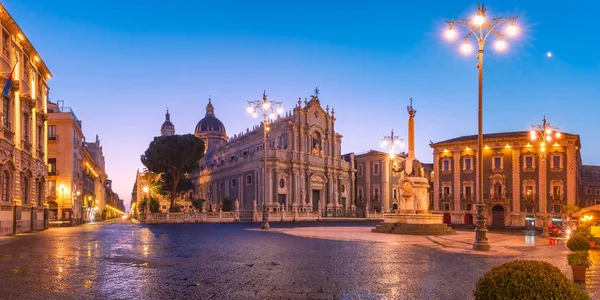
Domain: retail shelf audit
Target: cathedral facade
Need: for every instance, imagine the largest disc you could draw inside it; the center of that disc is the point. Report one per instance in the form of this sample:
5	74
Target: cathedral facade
305	169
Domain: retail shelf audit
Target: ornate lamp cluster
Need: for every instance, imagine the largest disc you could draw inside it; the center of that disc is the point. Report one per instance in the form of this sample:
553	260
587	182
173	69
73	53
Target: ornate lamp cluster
391	142
545	133
481	28
267	108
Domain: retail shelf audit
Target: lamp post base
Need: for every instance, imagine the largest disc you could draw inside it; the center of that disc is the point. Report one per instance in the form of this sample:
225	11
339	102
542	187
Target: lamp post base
265	219
481	241
481	246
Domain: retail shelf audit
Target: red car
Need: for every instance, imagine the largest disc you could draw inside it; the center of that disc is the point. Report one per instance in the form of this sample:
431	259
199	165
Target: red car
554	230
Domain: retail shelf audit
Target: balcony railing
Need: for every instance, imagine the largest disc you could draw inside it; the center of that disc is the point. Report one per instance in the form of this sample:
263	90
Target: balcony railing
446	197
498	198
529	198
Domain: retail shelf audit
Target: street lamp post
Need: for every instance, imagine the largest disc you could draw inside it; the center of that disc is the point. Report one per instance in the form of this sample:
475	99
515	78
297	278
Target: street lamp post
480	28
266	108
62	201
391	142
546	134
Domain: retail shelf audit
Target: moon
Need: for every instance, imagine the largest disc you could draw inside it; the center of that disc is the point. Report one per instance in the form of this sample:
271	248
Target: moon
549	54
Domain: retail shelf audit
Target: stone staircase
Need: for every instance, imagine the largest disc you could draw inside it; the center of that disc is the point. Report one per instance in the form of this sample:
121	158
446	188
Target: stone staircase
414	229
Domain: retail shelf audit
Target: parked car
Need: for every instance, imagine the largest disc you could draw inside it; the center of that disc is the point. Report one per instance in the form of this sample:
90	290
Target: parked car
554	230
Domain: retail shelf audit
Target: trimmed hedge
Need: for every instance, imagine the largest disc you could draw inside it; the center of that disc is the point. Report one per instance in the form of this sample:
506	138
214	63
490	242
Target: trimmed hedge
578	243
527	279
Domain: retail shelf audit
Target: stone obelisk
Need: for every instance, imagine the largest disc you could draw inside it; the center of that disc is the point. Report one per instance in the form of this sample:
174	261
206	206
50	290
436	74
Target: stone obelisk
413	215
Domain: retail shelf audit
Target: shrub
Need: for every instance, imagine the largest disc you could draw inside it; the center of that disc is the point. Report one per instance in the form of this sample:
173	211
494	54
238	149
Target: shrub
527	279
578	243
579	258
197	203
174	209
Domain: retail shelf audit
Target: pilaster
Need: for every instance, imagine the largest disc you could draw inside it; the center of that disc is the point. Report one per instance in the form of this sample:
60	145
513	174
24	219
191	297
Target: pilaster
457	184
571	175
385	190
516	179
436	180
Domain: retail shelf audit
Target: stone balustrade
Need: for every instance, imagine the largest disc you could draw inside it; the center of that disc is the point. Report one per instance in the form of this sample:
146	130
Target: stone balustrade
249	216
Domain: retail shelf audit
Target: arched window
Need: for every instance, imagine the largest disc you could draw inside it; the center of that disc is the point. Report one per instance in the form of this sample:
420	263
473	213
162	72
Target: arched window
248	179
25	191
5	186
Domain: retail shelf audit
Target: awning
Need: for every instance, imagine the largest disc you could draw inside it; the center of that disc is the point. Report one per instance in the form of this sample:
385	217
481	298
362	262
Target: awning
594	208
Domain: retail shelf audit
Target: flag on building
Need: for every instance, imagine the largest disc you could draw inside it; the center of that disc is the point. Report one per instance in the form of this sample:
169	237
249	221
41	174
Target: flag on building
8	82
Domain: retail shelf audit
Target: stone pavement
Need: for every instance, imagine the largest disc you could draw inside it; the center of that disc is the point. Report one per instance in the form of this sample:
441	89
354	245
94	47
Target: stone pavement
460	243
503	245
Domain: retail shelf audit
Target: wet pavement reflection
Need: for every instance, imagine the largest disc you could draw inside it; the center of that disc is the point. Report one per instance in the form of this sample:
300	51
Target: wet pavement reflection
226	261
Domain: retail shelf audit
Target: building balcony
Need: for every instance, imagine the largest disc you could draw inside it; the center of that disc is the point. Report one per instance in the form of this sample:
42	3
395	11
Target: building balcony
446	197
9	134
556	199
468	199
497	198
529	198
53	138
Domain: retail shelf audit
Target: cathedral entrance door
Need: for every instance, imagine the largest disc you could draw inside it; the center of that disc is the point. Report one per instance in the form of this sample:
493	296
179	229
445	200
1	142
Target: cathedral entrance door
316	194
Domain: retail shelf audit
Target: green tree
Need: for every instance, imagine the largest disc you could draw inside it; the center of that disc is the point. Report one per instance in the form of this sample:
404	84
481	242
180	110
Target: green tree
173	156
570	209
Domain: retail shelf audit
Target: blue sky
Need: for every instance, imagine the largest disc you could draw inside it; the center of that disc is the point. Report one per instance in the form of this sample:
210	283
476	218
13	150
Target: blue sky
119	64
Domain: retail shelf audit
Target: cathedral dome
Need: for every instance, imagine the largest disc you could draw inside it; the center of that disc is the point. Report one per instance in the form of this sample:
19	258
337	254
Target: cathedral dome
210	123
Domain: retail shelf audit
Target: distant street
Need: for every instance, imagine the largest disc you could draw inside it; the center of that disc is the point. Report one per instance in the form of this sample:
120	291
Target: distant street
226	261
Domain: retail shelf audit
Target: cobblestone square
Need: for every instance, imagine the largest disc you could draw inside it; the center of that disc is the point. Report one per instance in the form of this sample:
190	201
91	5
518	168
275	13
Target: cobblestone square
236	261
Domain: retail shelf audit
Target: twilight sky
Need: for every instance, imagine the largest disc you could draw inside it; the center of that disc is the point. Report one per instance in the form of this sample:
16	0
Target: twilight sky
119	64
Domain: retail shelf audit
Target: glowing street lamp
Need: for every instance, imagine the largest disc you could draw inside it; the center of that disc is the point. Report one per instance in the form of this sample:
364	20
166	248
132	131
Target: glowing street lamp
266	108
480	28
545	134
392	141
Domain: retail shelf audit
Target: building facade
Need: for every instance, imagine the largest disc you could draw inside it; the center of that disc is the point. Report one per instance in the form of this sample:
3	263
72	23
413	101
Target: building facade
78	187
65	165
589	190
23	171
519	182
377	187
305	168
